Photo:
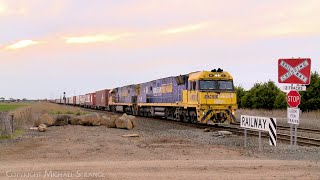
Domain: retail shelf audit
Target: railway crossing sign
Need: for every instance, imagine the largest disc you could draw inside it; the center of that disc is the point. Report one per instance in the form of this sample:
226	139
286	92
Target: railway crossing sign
294	71
293	115
293	87
293	98
261	124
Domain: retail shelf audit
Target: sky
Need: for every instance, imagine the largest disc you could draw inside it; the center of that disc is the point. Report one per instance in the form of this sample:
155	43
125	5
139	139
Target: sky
76	46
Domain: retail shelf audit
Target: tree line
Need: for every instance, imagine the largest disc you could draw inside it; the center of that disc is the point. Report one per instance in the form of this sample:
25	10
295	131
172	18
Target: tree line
268	96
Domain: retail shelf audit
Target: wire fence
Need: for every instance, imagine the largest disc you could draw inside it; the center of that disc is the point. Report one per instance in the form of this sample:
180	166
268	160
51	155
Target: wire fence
11	121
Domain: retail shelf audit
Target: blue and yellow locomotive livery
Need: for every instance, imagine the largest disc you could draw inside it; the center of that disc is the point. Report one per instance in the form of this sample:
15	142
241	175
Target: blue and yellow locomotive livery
199	97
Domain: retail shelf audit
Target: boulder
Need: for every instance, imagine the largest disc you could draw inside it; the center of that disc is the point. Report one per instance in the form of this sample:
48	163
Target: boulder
124	122
45	119
133	120
109	121
75	120
62	120
91	120
42	128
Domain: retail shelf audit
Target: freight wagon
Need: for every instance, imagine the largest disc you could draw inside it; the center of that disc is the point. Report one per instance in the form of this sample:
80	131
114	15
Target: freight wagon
77	101
90	100
70	100
82	100
102	99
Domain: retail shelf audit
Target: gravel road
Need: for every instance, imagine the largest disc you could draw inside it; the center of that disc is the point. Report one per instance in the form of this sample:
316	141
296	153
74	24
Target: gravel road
164	150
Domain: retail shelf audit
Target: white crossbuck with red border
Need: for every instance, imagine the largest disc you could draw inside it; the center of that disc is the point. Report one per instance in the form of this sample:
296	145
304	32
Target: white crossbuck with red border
294	71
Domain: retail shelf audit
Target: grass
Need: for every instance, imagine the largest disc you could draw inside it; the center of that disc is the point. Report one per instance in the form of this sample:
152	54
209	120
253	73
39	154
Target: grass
17	133
78	113
5	107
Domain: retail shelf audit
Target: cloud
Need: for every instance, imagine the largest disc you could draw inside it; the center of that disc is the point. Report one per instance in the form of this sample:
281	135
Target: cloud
96	38
33	11
7	10
21	44
182	29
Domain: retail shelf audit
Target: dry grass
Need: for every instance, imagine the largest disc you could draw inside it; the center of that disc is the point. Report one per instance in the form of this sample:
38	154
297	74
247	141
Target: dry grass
43	107
307	120
25	117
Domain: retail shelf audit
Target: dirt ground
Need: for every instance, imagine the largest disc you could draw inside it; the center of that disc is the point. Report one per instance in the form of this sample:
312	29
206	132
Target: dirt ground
83	152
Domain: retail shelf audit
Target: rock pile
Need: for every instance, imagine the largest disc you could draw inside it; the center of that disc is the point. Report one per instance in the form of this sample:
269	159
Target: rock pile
46	119
123	122
90	120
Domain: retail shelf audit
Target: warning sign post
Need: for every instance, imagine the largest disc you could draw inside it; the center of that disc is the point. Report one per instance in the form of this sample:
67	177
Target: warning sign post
261	124
297	72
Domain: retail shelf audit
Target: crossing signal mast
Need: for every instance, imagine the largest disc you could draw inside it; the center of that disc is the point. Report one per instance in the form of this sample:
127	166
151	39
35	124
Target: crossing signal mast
64	98
297	72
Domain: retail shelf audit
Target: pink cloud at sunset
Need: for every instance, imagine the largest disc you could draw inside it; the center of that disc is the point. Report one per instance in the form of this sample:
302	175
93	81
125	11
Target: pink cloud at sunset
96	38
21	44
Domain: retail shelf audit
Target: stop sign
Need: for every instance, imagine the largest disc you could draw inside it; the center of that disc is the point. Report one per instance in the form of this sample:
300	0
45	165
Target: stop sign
293	98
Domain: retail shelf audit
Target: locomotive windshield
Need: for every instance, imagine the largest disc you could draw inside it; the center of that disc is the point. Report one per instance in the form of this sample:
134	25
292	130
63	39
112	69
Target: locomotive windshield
225	85
216	85
208	85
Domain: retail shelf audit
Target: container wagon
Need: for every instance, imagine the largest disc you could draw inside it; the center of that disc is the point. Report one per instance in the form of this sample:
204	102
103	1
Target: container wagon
90	100
102	99
82	100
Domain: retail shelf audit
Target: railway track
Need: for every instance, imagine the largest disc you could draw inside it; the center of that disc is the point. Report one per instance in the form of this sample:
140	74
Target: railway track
235	128
302	140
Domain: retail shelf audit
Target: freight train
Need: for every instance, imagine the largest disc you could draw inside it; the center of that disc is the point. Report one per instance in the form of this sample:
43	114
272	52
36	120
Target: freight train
206	97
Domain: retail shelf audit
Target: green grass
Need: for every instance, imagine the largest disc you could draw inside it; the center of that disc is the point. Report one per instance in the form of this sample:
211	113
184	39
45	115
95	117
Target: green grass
5	107
17	133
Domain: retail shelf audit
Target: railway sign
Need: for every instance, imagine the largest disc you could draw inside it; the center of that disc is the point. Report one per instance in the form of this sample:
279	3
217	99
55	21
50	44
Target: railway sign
293	98
294	71
293	115
261	124
294	87
256	123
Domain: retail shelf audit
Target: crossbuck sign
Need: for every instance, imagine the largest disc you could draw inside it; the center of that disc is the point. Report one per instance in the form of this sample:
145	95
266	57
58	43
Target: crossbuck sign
294	71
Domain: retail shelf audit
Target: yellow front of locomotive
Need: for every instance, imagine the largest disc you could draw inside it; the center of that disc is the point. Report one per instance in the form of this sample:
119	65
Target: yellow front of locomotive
213	95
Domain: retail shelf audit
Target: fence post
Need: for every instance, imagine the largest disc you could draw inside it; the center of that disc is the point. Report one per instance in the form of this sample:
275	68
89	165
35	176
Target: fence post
12	124
1	122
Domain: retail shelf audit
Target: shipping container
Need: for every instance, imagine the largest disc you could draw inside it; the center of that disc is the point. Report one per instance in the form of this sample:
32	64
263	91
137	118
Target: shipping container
82	100
102	98
70	100
77	102
90	100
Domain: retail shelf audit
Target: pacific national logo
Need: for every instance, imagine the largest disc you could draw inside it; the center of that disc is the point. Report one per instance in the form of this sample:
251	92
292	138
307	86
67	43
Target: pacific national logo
218	96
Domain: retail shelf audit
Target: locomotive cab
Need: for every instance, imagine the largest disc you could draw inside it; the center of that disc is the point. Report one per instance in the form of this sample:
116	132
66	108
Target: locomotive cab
210	97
